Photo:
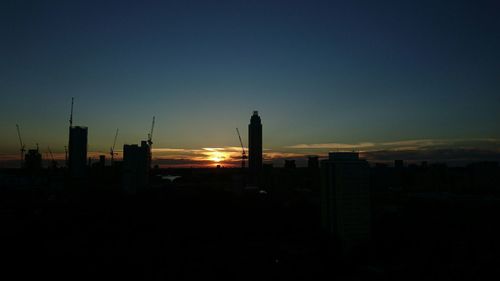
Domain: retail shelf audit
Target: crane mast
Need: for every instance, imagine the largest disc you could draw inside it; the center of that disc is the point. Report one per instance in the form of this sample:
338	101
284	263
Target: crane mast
71	114
66	155
53	162
50	152
66	160
112	150
21	144
243	153
150	141
150	135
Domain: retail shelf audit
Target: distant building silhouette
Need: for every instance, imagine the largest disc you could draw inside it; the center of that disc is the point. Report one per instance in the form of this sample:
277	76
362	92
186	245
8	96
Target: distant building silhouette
33	160
136	166
102	160
399	164
99	164
290	164
255	144
77	161
345	199
313	162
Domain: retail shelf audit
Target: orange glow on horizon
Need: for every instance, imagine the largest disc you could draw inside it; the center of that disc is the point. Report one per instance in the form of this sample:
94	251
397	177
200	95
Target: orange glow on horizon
217	156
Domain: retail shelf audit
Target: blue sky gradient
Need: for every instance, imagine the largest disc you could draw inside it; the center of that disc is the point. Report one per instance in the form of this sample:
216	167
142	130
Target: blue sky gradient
319	72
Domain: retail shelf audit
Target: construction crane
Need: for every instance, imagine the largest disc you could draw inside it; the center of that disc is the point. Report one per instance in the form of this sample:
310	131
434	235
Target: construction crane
53	161
66	155
21	143
243	153
150	135
50	152
112	150
71	114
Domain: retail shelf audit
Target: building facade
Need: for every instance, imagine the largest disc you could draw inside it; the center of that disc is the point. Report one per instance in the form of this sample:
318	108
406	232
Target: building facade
77	151
136	166
313	162
345	199
33	160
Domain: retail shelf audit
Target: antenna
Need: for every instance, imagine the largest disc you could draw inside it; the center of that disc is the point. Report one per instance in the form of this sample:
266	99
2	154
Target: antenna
21	143
71	114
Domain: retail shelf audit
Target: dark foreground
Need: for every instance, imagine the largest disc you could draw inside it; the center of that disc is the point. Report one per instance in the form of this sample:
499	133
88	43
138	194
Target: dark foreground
198	227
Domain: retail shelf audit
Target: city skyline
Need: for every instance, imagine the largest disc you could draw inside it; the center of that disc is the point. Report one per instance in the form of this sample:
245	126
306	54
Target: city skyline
241	139
450	151
414	81
460	151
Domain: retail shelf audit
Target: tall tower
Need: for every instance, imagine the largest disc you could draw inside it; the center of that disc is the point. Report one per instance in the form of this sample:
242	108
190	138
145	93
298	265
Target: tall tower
255	143
77	147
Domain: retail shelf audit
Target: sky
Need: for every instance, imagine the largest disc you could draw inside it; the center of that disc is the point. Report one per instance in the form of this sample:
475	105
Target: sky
391	79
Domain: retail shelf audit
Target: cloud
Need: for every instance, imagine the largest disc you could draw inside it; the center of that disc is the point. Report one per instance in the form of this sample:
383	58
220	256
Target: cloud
229	156
182	163
433	150
205	156
281	155
332	145
168	149
459	150
415	144
442	143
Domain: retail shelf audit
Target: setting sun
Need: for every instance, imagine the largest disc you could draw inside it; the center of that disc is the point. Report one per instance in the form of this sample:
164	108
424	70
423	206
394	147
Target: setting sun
217	156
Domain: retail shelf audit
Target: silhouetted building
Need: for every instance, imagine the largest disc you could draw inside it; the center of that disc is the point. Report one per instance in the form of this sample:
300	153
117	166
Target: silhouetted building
136	166
255	143
399	164
53	164
268	166
290	164
313	162
99	164
77	161
33	160
345	199
484	176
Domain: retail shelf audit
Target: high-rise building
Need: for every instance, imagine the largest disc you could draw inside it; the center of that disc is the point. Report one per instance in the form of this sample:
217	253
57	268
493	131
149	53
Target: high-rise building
33	160
345	199
136	166
290	164
102	160
255	143
77	158
399	164
313	162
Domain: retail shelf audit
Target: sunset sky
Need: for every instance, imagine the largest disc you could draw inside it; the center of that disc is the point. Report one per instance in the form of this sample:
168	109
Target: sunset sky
416	80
